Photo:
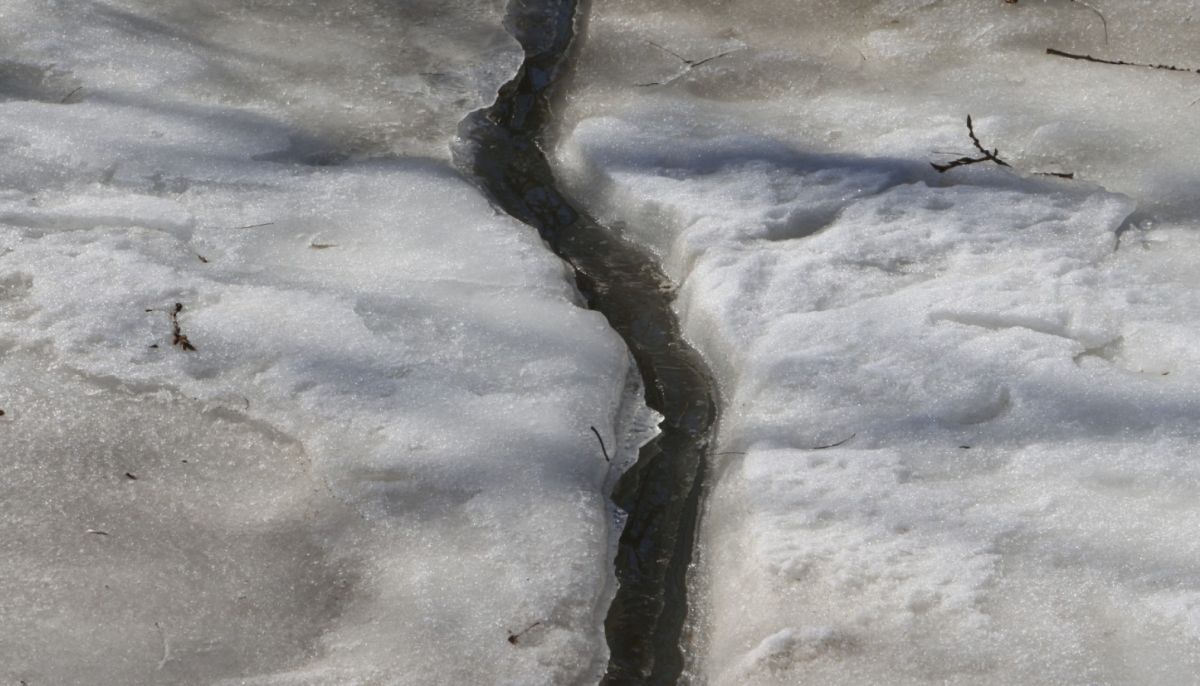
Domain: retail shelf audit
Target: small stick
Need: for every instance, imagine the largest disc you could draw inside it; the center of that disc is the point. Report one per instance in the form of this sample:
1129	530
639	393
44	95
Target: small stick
602	448
688	65
844	441
1103	21
67	97
992	155
1119	63
255	226
177	337
514	638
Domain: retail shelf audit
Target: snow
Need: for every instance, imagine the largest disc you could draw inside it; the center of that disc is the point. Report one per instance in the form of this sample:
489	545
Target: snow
377	465
958	438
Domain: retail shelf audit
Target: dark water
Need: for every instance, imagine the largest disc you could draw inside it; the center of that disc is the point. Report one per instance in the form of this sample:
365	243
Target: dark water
620	280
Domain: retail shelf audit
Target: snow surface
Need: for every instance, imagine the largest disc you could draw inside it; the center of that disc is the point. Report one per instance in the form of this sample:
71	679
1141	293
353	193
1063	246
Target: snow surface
377	465
961	410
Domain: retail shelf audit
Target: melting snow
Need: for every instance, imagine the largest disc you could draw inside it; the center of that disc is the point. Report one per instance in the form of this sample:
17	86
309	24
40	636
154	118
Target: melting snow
958	444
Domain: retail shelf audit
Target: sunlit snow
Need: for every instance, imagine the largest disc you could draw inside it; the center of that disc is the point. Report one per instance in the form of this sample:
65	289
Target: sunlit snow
375	464
961	409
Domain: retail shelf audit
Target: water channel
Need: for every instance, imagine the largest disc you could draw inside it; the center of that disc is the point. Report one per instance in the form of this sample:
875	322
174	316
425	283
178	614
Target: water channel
661	493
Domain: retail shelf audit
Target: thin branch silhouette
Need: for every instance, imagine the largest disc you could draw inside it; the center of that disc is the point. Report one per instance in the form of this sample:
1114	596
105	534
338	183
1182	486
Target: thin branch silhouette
992	155
688	65
986	155
1119	63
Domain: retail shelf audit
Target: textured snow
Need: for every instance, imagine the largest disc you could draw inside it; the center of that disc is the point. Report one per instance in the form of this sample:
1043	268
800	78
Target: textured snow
961	410
377	465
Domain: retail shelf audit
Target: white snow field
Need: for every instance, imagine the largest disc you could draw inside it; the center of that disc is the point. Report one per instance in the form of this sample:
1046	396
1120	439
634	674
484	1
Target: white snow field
962	410
376	466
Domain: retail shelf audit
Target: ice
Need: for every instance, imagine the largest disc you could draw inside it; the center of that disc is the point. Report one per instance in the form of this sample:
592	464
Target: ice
377	465
958	436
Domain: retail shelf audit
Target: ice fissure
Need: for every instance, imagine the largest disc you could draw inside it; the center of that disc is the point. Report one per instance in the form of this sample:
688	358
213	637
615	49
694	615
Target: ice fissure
500	149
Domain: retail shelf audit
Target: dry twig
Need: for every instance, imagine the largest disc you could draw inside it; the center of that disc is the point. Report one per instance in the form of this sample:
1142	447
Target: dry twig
516	638
1119	63
688	65
986	155
602	448
844	441
992	155
177	336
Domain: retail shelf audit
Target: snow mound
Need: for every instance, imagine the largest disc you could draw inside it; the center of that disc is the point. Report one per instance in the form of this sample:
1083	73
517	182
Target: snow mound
943	439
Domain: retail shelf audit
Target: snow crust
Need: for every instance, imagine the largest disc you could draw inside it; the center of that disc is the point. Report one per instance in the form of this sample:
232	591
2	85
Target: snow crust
377	464
338	78
958	442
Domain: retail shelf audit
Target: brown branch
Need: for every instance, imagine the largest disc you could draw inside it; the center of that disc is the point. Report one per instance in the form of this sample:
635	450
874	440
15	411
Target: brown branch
960	162
516	638
1119	63
992	155
177	336
688	65
602	448
844	441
